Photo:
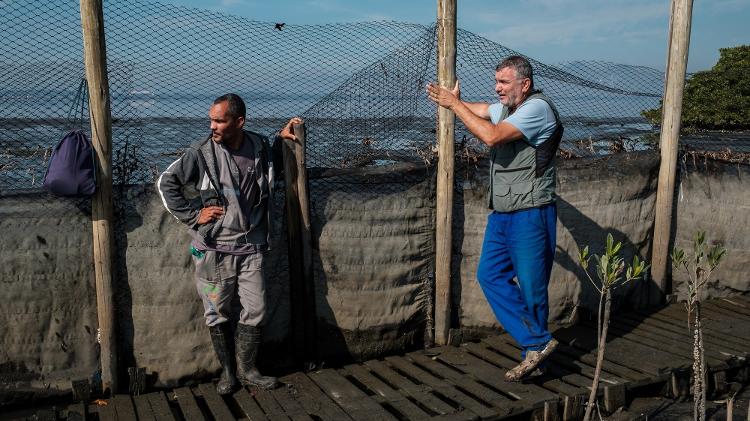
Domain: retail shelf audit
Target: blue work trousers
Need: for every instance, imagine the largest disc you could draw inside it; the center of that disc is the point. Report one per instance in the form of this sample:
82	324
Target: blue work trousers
520	245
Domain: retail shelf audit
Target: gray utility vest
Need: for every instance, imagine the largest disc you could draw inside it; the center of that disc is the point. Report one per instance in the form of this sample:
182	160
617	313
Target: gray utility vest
523	176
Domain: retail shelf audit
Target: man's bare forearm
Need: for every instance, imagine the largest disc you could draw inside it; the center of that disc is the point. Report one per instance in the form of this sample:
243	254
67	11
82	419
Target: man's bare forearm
481	109
483	129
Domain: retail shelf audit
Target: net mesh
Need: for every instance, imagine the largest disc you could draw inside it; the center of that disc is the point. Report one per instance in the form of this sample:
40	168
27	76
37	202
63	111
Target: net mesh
359	86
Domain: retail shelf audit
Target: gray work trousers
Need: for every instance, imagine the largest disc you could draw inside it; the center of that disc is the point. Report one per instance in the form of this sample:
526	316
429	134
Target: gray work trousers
220	277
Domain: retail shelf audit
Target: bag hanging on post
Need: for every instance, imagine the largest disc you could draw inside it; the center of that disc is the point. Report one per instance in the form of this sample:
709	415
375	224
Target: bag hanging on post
71	170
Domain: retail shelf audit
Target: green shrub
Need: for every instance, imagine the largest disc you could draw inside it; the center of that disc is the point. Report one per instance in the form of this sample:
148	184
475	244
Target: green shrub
717	99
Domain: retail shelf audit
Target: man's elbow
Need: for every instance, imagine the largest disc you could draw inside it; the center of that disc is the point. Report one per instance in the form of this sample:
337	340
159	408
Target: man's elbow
493	138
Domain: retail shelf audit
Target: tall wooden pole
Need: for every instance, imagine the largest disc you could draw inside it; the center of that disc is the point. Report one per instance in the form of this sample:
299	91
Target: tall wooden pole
679	41
446	74
301	289
95	59
304	209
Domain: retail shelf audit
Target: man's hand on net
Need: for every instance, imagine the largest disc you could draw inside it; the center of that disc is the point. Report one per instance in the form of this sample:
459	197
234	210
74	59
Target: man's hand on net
210	214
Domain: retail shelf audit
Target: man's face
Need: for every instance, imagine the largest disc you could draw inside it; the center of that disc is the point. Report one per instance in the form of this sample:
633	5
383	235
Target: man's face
224	127
510	88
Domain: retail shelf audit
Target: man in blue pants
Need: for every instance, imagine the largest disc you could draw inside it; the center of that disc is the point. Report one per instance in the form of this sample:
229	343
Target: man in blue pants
524	132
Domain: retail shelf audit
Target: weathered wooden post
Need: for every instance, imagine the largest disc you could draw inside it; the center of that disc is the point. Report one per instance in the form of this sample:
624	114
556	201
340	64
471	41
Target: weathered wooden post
446	74
677	56
299	245
95	59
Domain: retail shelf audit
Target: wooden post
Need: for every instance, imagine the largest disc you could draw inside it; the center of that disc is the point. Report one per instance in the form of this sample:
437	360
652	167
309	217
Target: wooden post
299	245
95	59
679	41
446	74
304	208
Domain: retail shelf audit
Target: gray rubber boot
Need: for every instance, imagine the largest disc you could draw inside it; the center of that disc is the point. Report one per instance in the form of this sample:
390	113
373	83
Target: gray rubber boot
247	342
221	336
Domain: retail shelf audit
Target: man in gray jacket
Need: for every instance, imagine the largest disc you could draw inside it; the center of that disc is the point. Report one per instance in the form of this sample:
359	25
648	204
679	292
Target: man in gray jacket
221	189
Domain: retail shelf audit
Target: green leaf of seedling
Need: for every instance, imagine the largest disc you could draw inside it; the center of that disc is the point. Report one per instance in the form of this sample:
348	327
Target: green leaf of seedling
583	257
678	257
715	255
699	237
617	248
610	240
699	249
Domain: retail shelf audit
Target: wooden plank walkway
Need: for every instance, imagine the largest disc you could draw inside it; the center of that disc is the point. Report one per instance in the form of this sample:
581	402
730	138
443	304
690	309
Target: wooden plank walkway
466	382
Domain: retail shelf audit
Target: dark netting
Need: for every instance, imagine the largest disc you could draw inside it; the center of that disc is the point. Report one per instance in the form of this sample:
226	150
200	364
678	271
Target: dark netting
360	86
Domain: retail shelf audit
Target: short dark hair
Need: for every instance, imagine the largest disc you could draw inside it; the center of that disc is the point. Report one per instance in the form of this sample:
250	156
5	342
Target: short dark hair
521	65
236	104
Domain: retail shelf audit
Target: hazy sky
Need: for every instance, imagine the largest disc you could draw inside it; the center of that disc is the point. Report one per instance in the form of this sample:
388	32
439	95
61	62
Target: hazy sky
552	31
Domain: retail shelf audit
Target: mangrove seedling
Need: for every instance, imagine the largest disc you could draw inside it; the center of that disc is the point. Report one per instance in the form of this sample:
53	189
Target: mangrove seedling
699	267
609	271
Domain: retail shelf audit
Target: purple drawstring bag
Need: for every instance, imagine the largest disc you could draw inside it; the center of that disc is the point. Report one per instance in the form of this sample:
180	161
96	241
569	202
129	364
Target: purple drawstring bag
71	169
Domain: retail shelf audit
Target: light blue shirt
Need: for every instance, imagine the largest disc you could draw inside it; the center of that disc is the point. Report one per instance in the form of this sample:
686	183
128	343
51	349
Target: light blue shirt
533	118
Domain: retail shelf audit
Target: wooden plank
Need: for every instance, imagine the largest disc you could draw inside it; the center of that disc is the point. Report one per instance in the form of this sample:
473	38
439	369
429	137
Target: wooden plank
570	364
267	402
124	407
160	406
574	408
444	388
680	383
76	412
737	303
733	307
506	363
712	329
680	349
215	403
679	322
620	350
718	313
614	397
313	400
648	339
107	412
680	332
532	395
143	408
719	383
548	412
501	404
248	405
356	403
188	405
732	322
398	401
290	405
420	393
464	415
589	358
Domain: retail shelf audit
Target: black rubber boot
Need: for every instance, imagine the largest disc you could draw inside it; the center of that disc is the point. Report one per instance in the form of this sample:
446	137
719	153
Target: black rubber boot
221	337
247	343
